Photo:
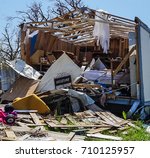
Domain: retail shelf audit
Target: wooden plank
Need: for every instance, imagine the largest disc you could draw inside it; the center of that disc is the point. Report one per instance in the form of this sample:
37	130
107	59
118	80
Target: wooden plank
97	130
23	125
32	131
21	88
26	111
27	121
24	137
51	124
89	113
124	61
83	85
36	129
63	121
70	136
107	121
95	120
35	125
35	118
134	126
24	116
6	139
109	117
71	119
63	136
38	40
80	115
10	134
2	128
113	117
27	48
51	43
86	122
23	34
55	122
20	129
118	120
102	136
123	128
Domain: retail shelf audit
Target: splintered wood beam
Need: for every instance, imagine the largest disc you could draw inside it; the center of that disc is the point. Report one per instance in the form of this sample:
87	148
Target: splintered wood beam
10	134
84	40
75	25
47	29
110	22
119	32
84	28
35	118
72	28
118	35
81	38
102	136
123	20
122	29
124	61
85	43
76	35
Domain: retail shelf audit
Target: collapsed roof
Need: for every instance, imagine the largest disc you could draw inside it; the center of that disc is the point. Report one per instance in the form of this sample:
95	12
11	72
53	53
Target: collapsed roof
77	27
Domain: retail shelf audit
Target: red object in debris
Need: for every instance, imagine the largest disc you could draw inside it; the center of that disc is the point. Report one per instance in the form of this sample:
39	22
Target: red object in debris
8	117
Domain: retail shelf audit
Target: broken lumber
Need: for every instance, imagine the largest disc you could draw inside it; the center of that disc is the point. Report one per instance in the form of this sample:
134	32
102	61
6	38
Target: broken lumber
70	136
10	134
102	136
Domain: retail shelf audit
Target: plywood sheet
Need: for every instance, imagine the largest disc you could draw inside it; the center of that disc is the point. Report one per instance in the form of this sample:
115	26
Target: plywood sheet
21	88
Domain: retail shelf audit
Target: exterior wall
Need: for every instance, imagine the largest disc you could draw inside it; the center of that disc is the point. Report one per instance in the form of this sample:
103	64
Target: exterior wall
144	61
46	42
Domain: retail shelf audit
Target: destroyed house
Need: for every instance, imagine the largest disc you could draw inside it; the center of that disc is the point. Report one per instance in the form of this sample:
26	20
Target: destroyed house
121	45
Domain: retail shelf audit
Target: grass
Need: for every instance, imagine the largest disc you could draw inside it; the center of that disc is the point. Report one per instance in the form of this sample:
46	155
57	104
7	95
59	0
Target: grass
132	134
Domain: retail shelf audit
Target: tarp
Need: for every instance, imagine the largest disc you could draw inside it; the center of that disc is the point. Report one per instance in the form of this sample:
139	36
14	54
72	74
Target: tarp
62	66
23	69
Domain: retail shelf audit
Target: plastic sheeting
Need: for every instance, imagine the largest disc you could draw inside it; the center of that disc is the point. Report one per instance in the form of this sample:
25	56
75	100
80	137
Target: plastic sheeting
93	75
61	67
101	31
84	98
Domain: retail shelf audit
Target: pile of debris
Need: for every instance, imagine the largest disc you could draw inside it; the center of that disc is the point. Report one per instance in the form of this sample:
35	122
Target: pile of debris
62	100
29	125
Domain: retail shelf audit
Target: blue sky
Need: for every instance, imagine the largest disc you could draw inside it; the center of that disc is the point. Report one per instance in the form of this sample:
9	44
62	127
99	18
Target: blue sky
124	8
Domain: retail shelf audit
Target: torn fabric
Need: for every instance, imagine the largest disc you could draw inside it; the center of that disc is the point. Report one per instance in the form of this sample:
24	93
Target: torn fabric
101	31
